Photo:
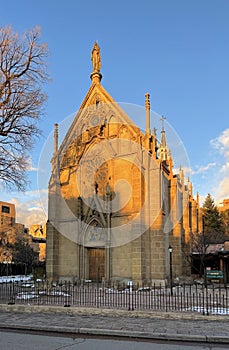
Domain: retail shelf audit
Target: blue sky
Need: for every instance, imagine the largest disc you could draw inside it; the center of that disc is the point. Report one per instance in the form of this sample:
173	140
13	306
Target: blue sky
177	50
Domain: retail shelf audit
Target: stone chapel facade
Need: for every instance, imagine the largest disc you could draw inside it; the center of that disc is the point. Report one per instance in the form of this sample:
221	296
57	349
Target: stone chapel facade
115	204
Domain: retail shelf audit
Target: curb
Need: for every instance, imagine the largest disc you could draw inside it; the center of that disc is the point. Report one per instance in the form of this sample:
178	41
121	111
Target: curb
143	335
120	334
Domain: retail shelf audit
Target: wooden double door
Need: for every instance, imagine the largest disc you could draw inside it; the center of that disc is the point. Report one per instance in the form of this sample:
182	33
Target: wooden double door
96	264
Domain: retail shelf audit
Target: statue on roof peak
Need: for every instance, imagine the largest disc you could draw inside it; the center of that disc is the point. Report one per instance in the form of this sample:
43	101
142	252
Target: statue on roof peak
95	57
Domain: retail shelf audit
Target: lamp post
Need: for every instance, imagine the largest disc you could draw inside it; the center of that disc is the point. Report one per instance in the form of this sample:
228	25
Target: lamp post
171	268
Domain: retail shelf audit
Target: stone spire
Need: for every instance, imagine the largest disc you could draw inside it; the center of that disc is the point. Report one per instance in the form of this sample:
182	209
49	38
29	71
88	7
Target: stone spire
55	160
189	187
55	138
181	176
96	76
163	138
163	149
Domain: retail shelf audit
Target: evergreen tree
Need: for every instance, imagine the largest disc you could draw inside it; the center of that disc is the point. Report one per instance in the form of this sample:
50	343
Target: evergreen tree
23	254
213	232
213	225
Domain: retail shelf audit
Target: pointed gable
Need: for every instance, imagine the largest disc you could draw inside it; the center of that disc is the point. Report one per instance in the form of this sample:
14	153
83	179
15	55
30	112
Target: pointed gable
96	111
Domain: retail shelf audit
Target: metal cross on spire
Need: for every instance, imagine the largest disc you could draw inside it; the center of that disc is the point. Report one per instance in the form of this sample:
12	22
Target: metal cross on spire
163	118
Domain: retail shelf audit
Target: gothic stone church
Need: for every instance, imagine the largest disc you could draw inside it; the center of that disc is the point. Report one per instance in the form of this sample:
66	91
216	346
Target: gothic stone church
115	203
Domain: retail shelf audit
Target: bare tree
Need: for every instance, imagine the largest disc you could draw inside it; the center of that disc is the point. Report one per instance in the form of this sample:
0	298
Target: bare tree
200	243
23	71
196	247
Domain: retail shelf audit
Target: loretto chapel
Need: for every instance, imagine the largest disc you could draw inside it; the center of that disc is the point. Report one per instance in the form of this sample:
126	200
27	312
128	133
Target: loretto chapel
115	203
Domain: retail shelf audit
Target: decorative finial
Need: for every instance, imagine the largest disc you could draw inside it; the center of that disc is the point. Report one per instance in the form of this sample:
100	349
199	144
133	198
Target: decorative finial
147	107
96	76
147	101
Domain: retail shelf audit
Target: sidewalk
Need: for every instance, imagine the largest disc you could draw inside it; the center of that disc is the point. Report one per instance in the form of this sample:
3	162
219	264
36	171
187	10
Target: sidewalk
80	321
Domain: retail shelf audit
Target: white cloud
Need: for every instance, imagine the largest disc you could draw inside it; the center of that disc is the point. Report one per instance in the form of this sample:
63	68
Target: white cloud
29	210
203	168
30	166
225	167
30	217
36	193
223	191
221	143
201	199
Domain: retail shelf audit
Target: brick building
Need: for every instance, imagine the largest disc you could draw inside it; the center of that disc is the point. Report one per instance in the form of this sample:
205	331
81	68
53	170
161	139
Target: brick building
10	231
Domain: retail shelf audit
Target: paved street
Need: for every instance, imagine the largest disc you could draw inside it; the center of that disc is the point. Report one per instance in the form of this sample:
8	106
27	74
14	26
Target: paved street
116	323
16	341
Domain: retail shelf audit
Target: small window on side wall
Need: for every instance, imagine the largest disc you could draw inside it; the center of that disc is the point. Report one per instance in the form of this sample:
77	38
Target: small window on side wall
5	209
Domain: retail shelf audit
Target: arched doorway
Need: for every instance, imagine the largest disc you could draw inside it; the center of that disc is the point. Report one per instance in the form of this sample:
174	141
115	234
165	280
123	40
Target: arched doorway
96	264
94	242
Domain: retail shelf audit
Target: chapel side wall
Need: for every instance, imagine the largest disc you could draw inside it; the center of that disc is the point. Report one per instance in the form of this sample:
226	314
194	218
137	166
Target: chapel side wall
121	262
158	239
139	226
52	234
186	217
138	274
187	234
68	252
52	252
177	226
126	259
68	259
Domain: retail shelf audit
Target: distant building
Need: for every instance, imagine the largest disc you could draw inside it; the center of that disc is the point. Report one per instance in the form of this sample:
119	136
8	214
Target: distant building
10	231
224	206
7	214
224	210
38	234
216	257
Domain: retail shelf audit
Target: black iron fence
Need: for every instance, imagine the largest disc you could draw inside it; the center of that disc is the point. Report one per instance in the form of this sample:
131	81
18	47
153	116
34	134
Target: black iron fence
205	299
